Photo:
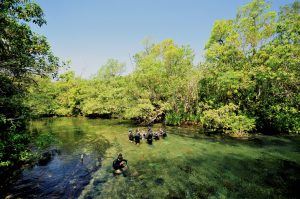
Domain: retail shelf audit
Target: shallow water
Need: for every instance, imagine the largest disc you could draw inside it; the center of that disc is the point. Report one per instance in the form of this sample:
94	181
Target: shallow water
184	165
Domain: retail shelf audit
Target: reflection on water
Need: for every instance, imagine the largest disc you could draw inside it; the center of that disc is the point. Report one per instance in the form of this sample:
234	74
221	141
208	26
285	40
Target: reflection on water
60	173
184	165
63	177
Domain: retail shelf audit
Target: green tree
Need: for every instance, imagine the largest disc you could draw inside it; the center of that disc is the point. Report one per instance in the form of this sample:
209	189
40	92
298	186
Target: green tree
104	98
252	62
277	72
112	68
224	48
104	95
255	25
70	94
161	74
42	98
23	54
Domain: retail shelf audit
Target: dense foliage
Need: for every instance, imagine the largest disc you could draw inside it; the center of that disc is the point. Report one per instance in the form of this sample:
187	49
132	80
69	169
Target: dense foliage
23	55
249	80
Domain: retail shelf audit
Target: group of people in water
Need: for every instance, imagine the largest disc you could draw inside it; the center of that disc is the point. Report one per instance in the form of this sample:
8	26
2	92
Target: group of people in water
137	136
120	165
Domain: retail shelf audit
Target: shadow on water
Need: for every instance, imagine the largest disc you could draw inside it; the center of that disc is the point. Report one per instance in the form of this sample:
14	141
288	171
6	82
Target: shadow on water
62	177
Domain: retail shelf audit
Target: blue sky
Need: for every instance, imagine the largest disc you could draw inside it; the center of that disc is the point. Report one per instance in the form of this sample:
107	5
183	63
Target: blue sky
91	31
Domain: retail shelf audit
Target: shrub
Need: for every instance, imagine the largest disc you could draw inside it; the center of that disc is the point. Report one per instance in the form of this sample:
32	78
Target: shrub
225	119
173	118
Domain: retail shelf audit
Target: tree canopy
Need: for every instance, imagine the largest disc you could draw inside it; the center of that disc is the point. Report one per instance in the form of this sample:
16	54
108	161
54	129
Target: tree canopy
23	55
248	82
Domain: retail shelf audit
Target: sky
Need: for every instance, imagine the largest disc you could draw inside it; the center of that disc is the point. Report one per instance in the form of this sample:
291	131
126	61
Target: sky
90	32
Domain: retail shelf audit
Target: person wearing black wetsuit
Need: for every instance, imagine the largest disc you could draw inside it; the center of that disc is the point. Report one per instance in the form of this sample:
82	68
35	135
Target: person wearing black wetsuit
149	136
119	164
130	136
163	133
137	137
156	137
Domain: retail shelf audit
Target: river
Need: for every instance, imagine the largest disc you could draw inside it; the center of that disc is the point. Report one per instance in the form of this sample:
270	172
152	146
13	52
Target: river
186	164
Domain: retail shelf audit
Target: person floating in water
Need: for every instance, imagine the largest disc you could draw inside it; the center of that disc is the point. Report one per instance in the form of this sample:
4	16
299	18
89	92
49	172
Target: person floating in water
143	135
137	137
149	136
120	164
162	133
130	135
156	137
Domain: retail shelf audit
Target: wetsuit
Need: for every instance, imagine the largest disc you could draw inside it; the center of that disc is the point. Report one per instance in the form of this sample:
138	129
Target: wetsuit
149	137
137	138
117	164
130	136
156	136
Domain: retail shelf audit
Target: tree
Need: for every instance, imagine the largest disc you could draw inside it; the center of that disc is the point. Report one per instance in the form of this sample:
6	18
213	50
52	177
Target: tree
42	97
255	25
277	72
223	49
104	98
23	55
253	63
112	68
159	80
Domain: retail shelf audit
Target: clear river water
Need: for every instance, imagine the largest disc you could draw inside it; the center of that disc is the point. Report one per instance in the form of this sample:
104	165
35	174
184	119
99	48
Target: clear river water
186	164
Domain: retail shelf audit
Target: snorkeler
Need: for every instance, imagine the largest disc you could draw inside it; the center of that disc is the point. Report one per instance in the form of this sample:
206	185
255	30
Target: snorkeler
119	164
137	137
143	134
149	136
130	135
163	133
156	137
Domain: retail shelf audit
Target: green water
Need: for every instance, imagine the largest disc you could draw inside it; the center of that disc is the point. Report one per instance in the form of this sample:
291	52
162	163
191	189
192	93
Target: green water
184	165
